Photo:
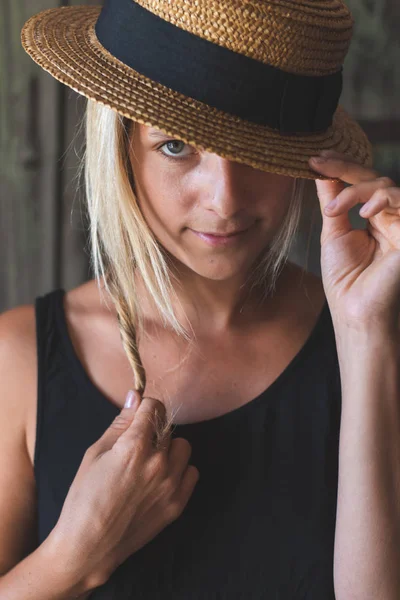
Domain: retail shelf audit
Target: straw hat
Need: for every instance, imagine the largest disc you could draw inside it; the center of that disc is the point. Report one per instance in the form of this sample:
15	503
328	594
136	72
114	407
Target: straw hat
254	81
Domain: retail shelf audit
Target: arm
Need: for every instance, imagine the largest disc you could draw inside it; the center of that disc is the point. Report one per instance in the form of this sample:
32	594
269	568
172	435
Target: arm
367	541
25	573
39	575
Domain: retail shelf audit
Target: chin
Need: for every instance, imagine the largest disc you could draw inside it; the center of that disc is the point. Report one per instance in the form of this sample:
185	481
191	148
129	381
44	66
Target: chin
216	266
219	270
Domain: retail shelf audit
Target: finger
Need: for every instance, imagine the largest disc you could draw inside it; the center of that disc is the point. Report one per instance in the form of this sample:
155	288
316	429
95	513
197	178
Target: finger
189	480
336	224
178	457
163	431
343	169
332	226
359	193
142	430
383	243
340	155
387	199
119	425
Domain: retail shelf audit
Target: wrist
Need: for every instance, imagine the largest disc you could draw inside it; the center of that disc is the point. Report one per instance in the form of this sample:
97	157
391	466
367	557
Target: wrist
366	357
67	568
361	329
365	340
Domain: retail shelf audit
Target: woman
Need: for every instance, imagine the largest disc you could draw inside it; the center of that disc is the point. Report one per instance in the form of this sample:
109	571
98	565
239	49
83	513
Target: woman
239	362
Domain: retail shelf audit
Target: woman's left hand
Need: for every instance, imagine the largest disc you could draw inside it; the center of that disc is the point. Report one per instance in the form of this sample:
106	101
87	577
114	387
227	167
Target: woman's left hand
360	268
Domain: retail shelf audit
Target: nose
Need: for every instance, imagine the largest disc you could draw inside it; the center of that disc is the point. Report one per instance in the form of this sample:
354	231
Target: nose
225	189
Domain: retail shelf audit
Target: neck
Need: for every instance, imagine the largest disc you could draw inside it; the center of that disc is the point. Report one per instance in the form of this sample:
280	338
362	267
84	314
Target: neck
218	306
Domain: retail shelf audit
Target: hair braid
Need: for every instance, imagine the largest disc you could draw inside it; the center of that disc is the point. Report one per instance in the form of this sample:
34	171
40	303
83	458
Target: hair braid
128	327
127	322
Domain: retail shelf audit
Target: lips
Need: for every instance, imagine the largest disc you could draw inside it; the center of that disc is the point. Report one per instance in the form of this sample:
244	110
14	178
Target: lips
222	240
222	234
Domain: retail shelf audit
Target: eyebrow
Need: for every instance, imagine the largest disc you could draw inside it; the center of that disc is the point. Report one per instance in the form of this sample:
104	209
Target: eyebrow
158	134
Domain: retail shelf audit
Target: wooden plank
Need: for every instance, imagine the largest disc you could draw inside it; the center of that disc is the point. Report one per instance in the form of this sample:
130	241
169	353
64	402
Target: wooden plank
74	259
74	264
29	116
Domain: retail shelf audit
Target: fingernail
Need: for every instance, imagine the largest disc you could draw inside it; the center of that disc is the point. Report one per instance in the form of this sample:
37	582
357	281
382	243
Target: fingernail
131	399
332	205
319	159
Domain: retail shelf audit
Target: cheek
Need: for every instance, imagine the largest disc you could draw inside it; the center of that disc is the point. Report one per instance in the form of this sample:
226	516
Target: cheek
271	211
165	213
276	210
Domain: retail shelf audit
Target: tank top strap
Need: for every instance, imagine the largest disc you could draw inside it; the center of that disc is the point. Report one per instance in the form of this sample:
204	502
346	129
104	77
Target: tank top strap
47	308
66	407
69	418
47	340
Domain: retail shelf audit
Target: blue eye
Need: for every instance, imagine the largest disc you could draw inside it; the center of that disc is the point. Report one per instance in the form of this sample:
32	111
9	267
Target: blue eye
174	146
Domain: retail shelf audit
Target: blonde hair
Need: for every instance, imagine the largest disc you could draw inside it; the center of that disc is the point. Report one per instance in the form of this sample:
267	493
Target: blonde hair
121	241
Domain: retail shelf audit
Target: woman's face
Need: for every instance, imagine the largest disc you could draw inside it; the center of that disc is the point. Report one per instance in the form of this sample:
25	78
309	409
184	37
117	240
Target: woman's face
183	192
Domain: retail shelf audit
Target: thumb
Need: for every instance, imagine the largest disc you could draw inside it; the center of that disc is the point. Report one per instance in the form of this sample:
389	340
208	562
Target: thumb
327	191
332	226
120	423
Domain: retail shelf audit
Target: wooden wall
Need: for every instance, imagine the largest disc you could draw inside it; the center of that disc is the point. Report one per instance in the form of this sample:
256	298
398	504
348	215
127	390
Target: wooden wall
42	235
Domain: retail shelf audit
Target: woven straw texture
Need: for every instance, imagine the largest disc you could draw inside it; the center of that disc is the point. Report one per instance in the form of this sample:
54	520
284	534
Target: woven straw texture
63	42
308	38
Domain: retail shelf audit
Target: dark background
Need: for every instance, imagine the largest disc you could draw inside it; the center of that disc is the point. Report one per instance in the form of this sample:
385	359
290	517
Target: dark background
42	232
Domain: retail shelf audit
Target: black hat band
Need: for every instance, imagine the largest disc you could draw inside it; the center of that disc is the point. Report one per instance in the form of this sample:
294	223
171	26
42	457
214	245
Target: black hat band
226	80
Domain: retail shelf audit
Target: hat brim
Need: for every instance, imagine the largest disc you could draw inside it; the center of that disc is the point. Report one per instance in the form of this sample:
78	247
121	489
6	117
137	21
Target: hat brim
63	42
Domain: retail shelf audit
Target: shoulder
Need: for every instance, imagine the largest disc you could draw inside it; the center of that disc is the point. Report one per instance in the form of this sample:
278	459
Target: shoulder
18	352
17	393
18	408
90	317
18	327
86	301
17	363
18	360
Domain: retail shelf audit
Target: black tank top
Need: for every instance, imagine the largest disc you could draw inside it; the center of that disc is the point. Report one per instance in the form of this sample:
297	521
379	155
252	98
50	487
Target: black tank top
260	523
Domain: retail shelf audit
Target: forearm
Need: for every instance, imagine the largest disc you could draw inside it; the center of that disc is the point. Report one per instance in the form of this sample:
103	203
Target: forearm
41	575
367	540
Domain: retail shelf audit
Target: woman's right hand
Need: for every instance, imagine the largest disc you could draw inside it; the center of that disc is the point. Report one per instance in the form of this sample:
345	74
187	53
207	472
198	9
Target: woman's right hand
125	492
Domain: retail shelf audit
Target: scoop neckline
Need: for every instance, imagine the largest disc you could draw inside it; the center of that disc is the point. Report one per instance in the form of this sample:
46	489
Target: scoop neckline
236	412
